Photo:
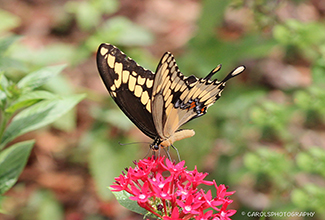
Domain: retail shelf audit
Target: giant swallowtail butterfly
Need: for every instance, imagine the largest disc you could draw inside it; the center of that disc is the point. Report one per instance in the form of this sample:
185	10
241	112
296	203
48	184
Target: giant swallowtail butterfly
158	103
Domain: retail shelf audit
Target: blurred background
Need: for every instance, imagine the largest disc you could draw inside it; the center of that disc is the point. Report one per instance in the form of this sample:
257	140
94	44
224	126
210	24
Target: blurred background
264	138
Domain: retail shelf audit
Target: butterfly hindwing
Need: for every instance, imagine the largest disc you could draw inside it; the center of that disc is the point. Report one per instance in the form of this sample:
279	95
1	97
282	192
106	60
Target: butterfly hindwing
129	84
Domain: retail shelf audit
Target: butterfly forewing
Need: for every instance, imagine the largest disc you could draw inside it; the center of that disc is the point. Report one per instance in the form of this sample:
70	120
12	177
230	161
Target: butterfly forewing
129	84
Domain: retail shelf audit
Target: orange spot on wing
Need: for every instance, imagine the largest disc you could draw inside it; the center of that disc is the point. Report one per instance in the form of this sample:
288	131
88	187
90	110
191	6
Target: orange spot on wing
192	105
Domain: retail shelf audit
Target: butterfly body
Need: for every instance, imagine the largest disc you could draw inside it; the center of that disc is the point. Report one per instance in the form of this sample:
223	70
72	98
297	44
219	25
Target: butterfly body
158	103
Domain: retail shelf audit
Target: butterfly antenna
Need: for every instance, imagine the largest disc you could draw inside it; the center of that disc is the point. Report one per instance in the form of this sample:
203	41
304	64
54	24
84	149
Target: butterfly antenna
234	73
208	77
148	154
133	143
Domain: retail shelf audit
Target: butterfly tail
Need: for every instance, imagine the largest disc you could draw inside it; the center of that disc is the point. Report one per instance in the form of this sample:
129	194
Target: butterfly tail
234	73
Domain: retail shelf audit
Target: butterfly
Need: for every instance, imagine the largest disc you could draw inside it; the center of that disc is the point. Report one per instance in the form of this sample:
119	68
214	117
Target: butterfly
158	103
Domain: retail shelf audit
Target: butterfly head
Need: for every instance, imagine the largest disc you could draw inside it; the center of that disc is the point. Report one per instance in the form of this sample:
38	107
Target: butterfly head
156	144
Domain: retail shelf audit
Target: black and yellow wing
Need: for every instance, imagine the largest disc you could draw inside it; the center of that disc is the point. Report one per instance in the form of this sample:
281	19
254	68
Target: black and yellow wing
129	84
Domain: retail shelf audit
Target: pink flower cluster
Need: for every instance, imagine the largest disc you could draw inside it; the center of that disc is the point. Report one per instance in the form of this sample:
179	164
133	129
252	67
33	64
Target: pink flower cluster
171	192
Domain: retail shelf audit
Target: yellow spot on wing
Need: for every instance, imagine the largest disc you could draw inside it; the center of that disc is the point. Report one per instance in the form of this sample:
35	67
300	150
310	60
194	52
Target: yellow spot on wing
144	97
210	94
168	109
166	91
162	73
174	75
179	85
207	90
118	68
199	89
103	51
111	61
148	106
183	87
165	79
169	59
210	101
172	70
205	97
113	87
167	95
149	83
141	80
138	91
168	101
131	84
190	94
125	76
164	58
184	94
174	84
157	90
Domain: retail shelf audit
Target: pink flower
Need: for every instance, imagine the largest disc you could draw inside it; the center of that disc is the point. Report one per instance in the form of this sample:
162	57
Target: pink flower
211	202
174	215
224	214
171	192
141	195
222	191
196	178
205	216
191	205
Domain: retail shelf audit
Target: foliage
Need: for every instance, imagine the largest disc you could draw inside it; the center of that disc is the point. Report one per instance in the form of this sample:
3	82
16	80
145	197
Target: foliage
24	108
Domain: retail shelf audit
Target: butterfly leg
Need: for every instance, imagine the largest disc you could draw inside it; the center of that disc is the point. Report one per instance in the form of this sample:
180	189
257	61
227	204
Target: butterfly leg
179	157
167	153
154	154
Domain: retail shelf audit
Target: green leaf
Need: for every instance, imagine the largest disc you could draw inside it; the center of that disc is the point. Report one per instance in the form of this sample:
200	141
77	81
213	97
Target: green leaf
12	162
123	198
8	21
40	77
5	43
39	115
29	99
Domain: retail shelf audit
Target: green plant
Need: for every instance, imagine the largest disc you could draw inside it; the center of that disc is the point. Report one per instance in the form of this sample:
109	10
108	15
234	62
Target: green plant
24	108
